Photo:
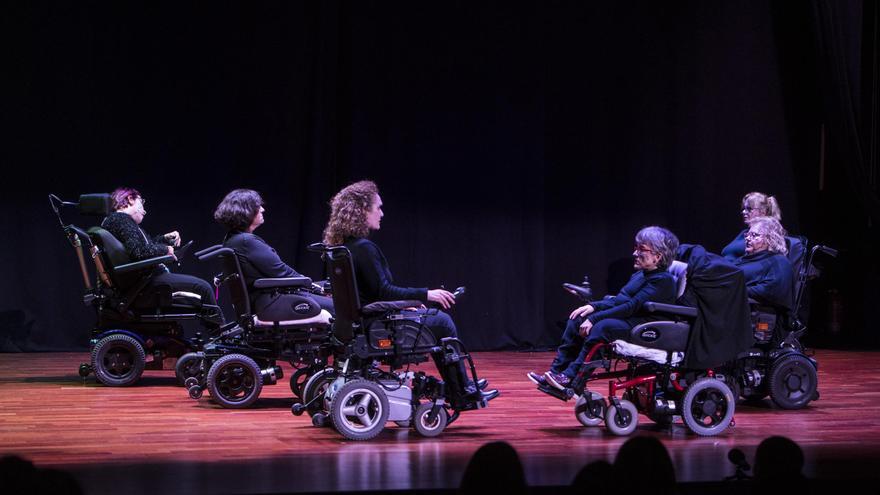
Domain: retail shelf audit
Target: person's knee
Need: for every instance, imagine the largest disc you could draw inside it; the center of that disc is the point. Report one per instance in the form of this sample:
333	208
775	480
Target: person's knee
442	321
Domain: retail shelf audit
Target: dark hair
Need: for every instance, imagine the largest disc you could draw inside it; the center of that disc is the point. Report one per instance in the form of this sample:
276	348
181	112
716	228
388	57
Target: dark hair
121	196
495	466
237	210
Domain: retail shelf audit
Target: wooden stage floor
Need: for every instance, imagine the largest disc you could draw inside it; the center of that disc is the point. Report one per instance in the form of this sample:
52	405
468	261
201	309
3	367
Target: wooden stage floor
153	438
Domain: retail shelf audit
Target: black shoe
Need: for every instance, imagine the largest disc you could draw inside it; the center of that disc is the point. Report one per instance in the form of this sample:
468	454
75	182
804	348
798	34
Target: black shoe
488	395
482	383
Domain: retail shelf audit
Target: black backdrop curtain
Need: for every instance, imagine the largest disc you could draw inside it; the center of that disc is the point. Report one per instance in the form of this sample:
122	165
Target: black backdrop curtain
516	145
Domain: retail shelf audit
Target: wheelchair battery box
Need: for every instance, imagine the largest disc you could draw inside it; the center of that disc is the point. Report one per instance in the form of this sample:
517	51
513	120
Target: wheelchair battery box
763	326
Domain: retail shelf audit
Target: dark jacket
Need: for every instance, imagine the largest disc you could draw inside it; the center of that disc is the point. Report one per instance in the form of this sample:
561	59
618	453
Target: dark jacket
717	288
138	244
737	247
257	258
374	279
657	286
769	278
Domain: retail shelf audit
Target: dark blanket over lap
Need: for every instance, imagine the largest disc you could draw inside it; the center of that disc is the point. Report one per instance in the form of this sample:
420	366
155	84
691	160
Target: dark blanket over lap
717	289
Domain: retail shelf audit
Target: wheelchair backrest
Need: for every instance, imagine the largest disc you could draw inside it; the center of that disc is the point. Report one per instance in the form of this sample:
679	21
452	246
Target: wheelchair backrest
678	269
108	253
233	278
346	301
797	249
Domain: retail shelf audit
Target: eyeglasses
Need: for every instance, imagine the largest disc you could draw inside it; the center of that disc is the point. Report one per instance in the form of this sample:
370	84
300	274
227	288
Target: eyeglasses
753	235
641	250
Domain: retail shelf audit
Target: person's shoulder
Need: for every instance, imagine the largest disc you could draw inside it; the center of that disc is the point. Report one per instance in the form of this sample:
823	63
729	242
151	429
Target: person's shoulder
360	243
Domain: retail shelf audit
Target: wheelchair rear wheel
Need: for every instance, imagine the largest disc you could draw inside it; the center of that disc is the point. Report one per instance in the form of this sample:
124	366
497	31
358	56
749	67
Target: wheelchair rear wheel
118	360
793	381
235	381
359	410
623	420
708	406
424	426
591	414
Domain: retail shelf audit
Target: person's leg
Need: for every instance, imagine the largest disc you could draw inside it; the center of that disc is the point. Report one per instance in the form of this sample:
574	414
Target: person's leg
568	350
603	331
188	283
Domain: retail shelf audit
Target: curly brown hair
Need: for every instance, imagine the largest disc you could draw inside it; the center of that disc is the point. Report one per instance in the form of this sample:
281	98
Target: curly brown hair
348	212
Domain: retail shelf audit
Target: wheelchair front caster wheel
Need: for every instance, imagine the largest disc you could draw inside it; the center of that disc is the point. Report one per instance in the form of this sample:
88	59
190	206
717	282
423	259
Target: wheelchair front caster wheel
188	366
85	370
423	423
622	420
195	392
297	409
319	420
590	412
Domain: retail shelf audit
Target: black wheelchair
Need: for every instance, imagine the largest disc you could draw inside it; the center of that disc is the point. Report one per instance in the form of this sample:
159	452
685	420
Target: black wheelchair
233	365
356	394
138	324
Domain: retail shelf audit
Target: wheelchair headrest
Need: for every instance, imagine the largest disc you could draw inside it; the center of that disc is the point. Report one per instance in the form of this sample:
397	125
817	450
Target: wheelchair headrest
95	204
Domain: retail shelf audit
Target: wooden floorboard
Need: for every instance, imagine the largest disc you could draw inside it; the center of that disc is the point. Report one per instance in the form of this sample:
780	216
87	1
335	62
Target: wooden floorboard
153	437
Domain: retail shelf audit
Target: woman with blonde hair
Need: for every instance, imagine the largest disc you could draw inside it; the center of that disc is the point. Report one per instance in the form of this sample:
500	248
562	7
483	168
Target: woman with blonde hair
354	212
754	205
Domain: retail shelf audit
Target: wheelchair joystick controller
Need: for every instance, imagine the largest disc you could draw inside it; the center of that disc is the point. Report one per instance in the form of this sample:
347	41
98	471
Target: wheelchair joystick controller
459	292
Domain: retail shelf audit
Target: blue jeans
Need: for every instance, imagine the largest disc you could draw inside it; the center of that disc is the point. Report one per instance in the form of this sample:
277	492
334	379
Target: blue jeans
574	348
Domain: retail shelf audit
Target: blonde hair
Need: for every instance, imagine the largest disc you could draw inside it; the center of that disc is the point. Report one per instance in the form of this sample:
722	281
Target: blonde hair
772	231
767	206
348	212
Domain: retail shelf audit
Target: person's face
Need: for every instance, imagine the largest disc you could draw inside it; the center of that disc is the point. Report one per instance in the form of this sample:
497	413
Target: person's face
375	214
136	209
645	258
258	220
749	211
756	241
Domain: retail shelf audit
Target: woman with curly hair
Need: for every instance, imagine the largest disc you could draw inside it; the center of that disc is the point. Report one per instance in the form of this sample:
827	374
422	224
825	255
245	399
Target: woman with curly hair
354	212
241	212
768	273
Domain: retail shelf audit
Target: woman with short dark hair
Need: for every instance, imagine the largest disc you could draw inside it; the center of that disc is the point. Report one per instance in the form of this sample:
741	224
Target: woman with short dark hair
241	212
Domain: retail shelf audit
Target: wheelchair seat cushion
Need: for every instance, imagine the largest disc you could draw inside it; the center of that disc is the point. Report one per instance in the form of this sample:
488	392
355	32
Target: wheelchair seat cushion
385	306
322	319
627	349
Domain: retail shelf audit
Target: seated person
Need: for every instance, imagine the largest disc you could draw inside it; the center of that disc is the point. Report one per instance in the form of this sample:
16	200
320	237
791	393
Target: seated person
241	212
355	211
754	205
613	318
124	224
768	273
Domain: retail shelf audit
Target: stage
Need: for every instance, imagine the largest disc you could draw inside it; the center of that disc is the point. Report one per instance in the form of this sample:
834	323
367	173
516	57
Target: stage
153	438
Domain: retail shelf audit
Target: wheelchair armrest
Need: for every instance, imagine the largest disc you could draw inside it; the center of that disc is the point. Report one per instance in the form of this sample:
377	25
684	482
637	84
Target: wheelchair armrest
383	306
655	307
273	283
142	264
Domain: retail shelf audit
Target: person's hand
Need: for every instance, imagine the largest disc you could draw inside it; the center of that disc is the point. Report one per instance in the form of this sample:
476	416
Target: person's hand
442	297
173	238
171	251
581	311
586	326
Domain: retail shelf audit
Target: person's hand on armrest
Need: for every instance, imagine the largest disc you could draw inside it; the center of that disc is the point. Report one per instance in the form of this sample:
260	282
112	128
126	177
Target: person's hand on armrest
442	297
173	238
171	251
581	311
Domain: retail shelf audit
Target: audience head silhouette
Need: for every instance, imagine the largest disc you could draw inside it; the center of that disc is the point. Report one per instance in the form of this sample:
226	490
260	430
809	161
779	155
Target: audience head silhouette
495	466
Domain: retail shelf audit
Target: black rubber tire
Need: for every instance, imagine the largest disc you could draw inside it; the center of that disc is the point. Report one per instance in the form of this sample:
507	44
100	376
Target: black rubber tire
188	365
421	424
317	384
359	410
235	381
793	381
298	380
118	360
587	416
624	422
708	407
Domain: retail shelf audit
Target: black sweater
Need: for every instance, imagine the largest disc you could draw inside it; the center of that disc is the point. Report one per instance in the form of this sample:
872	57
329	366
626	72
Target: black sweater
769	278
138	244
257	258
657	286
374	279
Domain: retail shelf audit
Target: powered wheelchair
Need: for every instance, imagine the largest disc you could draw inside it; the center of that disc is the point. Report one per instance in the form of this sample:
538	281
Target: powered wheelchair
233	365
356	395
138	324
